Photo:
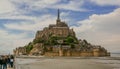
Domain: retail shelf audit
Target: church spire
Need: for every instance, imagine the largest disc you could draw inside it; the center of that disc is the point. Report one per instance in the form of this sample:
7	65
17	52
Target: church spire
58	16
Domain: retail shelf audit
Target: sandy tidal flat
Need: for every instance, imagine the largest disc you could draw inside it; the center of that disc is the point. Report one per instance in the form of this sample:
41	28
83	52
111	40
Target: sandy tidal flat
61	63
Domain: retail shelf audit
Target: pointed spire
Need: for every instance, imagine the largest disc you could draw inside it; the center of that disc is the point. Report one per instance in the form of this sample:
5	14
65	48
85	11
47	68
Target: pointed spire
58	16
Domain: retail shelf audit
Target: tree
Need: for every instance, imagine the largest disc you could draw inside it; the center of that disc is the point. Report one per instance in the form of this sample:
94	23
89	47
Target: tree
85	41
29	47
69	40
53	40
38	41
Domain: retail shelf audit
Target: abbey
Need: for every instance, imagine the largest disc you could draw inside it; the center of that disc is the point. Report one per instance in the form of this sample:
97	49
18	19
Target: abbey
60	29
59	40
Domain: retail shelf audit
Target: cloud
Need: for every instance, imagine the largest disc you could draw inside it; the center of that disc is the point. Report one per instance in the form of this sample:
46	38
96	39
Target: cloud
6	6
74	5
101	29
107	2
25	5
9	41
45	3
35	24
30	4
17	17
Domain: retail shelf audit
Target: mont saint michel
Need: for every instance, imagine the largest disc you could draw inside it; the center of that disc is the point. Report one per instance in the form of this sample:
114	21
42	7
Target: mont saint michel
59	40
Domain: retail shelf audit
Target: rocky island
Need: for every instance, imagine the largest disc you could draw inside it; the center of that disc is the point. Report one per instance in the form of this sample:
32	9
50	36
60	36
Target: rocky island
59	40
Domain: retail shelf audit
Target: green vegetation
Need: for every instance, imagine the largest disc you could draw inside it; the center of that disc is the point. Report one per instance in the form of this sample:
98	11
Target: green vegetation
38	41
53	40
69	40
66	40
29	47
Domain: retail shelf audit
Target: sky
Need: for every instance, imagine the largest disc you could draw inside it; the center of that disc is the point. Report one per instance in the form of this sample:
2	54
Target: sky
97	21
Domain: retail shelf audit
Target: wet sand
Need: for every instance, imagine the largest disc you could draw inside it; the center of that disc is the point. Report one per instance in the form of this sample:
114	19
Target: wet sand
65	63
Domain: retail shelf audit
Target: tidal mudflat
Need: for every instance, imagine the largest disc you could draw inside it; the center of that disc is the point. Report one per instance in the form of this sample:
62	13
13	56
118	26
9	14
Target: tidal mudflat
66	63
